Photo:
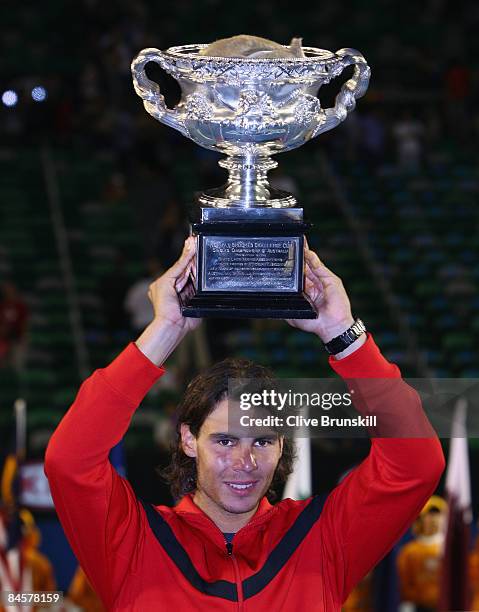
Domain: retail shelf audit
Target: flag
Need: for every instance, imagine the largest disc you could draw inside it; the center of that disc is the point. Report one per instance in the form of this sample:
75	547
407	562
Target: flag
454	593
299	483
14	575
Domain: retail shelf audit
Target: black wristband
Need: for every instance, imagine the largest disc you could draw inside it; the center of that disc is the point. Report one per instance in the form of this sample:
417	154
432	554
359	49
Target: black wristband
338	344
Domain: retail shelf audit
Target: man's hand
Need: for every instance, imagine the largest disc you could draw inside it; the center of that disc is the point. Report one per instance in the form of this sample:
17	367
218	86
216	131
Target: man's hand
169	326
330	299
163	291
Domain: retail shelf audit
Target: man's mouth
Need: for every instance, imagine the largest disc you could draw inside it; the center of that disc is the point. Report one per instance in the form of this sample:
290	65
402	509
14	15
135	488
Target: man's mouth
241	487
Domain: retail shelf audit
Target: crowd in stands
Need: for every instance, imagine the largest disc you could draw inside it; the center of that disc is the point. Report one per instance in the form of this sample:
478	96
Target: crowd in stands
422	98
422	92
423	85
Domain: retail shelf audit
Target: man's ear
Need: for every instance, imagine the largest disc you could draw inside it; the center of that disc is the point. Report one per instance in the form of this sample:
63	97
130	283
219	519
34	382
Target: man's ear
188	440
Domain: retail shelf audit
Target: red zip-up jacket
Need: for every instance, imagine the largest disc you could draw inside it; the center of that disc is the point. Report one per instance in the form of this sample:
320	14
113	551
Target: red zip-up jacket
295	555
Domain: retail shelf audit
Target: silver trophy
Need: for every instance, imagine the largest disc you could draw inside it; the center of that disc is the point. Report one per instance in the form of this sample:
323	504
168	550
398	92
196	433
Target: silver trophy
250	236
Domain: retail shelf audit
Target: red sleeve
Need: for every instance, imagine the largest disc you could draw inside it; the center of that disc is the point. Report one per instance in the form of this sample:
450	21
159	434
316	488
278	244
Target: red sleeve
375	504
97	508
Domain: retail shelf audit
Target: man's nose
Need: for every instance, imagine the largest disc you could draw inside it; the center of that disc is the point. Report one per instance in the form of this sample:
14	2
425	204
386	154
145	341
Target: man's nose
244	458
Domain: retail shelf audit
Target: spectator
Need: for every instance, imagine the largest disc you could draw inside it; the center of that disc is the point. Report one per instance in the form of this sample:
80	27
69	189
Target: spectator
457	82
419	561
82	594
372	136
408	133
360	598
43	577
38	566
13	327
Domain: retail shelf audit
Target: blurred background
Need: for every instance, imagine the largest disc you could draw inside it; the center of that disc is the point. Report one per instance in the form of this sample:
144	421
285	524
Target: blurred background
94	200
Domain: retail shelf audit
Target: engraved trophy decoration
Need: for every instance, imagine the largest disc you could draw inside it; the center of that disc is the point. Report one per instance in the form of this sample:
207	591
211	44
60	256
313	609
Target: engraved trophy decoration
250	237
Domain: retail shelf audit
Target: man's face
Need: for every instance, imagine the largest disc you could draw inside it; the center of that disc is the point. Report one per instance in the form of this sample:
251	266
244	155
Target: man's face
233	472
432	523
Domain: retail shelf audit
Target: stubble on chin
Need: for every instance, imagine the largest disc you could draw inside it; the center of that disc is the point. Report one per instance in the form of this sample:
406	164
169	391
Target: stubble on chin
242	506
224	501
244	509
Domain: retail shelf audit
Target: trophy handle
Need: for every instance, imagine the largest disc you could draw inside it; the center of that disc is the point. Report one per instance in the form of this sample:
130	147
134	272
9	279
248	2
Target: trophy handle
353	89
150	93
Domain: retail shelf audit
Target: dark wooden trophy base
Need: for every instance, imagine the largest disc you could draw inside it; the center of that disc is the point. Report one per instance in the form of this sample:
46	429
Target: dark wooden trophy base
249	268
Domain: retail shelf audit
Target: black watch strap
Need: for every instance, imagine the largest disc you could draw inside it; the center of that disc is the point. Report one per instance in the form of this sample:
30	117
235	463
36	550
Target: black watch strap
338	344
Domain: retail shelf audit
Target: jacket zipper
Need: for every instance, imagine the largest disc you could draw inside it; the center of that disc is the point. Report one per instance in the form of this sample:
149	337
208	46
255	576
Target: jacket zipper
239	584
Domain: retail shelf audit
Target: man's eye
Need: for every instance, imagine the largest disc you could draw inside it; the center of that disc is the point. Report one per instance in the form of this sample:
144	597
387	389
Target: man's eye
225	442
263	442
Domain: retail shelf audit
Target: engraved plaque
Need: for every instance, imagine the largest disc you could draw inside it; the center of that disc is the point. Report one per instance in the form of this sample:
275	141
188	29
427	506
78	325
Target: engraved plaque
246	263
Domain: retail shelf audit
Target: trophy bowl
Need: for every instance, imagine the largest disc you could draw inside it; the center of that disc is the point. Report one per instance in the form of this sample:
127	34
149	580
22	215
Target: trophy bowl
250	108
250	237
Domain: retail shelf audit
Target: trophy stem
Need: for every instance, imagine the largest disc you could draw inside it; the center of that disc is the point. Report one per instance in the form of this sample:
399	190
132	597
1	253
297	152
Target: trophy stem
247	182
247	185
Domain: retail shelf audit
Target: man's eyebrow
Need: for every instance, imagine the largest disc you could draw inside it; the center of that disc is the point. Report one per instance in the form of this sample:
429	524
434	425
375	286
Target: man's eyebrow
227	436
222	435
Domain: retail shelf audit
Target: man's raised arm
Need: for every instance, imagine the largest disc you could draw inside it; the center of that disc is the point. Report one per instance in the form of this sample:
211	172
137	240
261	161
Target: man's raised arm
97	508
377	501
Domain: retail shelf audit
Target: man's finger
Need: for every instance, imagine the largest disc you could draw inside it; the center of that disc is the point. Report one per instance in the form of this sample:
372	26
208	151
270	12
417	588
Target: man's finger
181	264
180	283
312	290
311	276
321	274
182	279
316	265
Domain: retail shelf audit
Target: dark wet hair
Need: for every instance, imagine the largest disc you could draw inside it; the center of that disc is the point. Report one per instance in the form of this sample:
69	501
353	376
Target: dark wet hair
201	396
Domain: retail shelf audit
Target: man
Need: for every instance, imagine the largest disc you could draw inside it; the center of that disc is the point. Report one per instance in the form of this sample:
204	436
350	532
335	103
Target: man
419	561
13	327
42	573
82	594
224	546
